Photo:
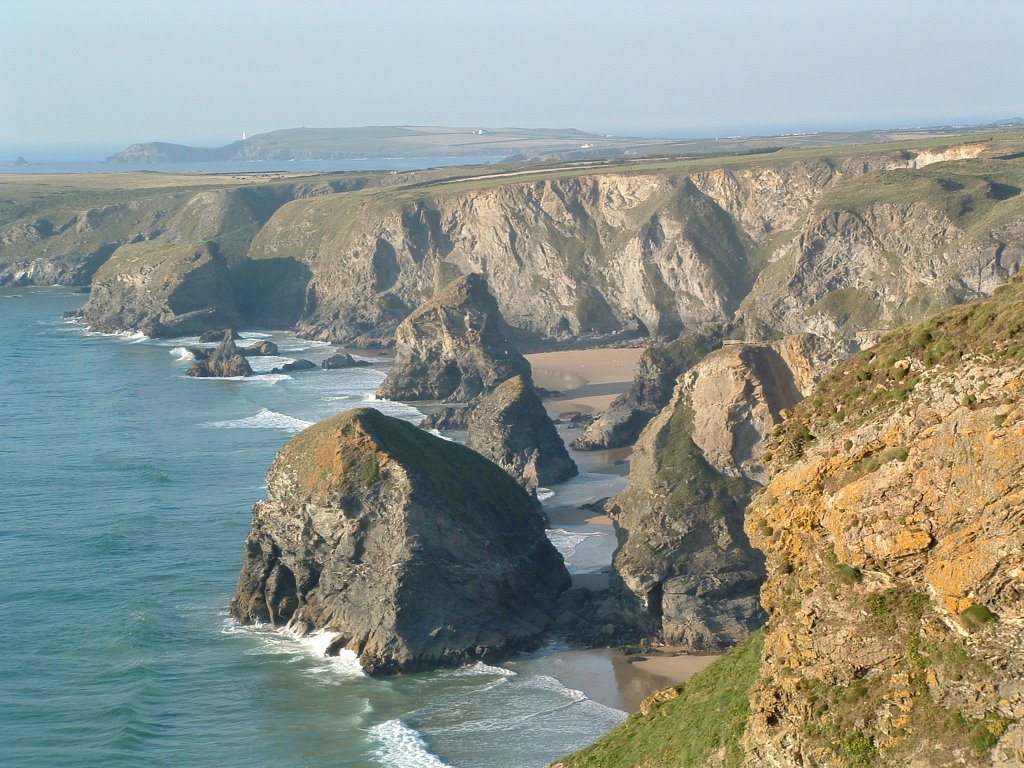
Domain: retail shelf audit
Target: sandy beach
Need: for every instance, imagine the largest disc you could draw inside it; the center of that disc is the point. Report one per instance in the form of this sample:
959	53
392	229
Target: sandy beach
610	677
589	379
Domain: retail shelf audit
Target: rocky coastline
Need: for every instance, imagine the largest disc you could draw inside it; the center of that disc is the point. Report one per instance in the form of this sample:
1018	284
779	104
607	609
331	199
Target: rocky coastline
791	465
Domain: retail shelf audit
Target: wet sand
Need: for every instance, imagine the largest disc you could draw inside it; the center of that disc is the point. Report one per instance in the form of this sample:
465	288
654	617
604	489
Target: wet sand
610	677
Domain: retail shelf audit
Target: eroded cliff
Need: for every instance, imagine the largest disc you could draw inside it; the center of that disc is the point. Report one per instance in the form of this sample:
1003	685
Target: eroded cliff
893	534
417	551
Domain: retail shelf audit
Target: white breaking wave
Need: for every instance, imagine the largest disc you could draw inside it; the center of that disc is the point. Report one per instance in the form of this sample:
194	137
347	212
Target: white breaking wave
133	336
182	354
394	408
260	378
312	646
266	363
478	668
543	494
566	542
264	419
403	747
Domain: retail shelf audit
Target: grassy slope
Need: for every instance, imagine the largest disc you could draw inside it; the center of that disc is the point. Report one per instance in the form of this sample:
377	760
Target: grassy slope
705	720
872	383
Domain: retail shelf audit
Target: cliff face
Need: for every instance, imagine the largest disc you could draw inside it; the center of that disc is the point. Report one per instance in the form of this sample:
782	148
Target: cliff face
890	248
162	290
683	563
820	246
415	550
895	545
64	245
564	257
828	245
893	534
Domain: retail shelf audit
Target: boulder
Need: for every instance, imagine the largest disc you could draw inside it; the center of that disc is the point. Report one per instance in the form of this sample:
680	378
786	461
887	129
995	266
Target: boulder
162	289
511	428
295	365
343	360
260	349
416	551
224	361
454	347
216	336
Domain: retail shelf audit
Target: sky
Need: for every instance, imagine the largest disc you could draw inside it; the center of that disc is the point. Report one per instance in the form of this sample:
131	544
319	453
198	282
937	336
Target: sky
114	72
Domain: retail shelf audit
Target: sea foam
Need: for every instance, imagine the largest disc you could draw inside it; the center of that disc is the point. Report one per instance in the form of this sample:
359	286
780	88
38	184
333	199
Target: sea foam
264	419
566	542
403	747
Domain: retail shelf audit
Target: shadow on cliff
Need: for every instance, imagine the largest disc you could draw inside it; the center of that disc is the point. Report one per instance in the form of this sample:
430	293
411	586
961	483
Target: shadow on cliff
270	293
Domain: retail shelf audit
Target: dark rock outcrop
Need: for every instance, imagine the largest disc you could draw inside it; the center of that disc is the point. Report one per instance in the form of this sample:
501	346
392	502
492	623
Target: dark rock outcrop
260	349
162	290
448	417
417	551
454	347
511	428
651	390
295	365
224	361
684	563
216	335
343	360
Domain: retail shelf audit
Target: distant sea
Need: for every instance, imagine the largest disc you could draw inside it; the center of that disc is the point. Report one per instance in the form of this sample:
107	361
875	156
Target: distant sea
85	160
125	496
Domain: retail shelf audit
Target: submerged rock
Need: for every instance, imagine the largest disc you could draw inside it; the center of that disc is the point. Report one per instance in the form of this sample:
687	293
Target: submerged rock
224	361
417	551
511	428
454	347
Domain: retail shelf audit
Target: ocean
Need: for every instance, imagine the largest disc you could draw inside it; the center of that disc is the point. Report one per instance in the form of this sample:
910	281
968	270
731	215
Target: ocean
81	161
125	495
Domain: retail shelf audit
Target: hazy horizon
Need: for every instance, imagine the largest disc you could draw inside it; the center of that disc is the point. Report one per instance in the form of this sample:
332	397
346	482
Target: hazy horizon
110	73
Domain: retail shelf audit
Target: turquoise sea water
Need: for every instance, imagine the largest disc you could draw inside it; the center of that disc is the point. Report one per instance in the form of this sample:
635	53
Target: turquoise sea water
125	495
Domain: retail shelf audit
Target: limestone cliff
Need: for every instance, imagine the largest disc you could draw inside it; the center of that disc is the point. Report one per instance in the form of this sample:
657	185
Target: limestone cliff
511	428
417	551
454	347
804	245
162	290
